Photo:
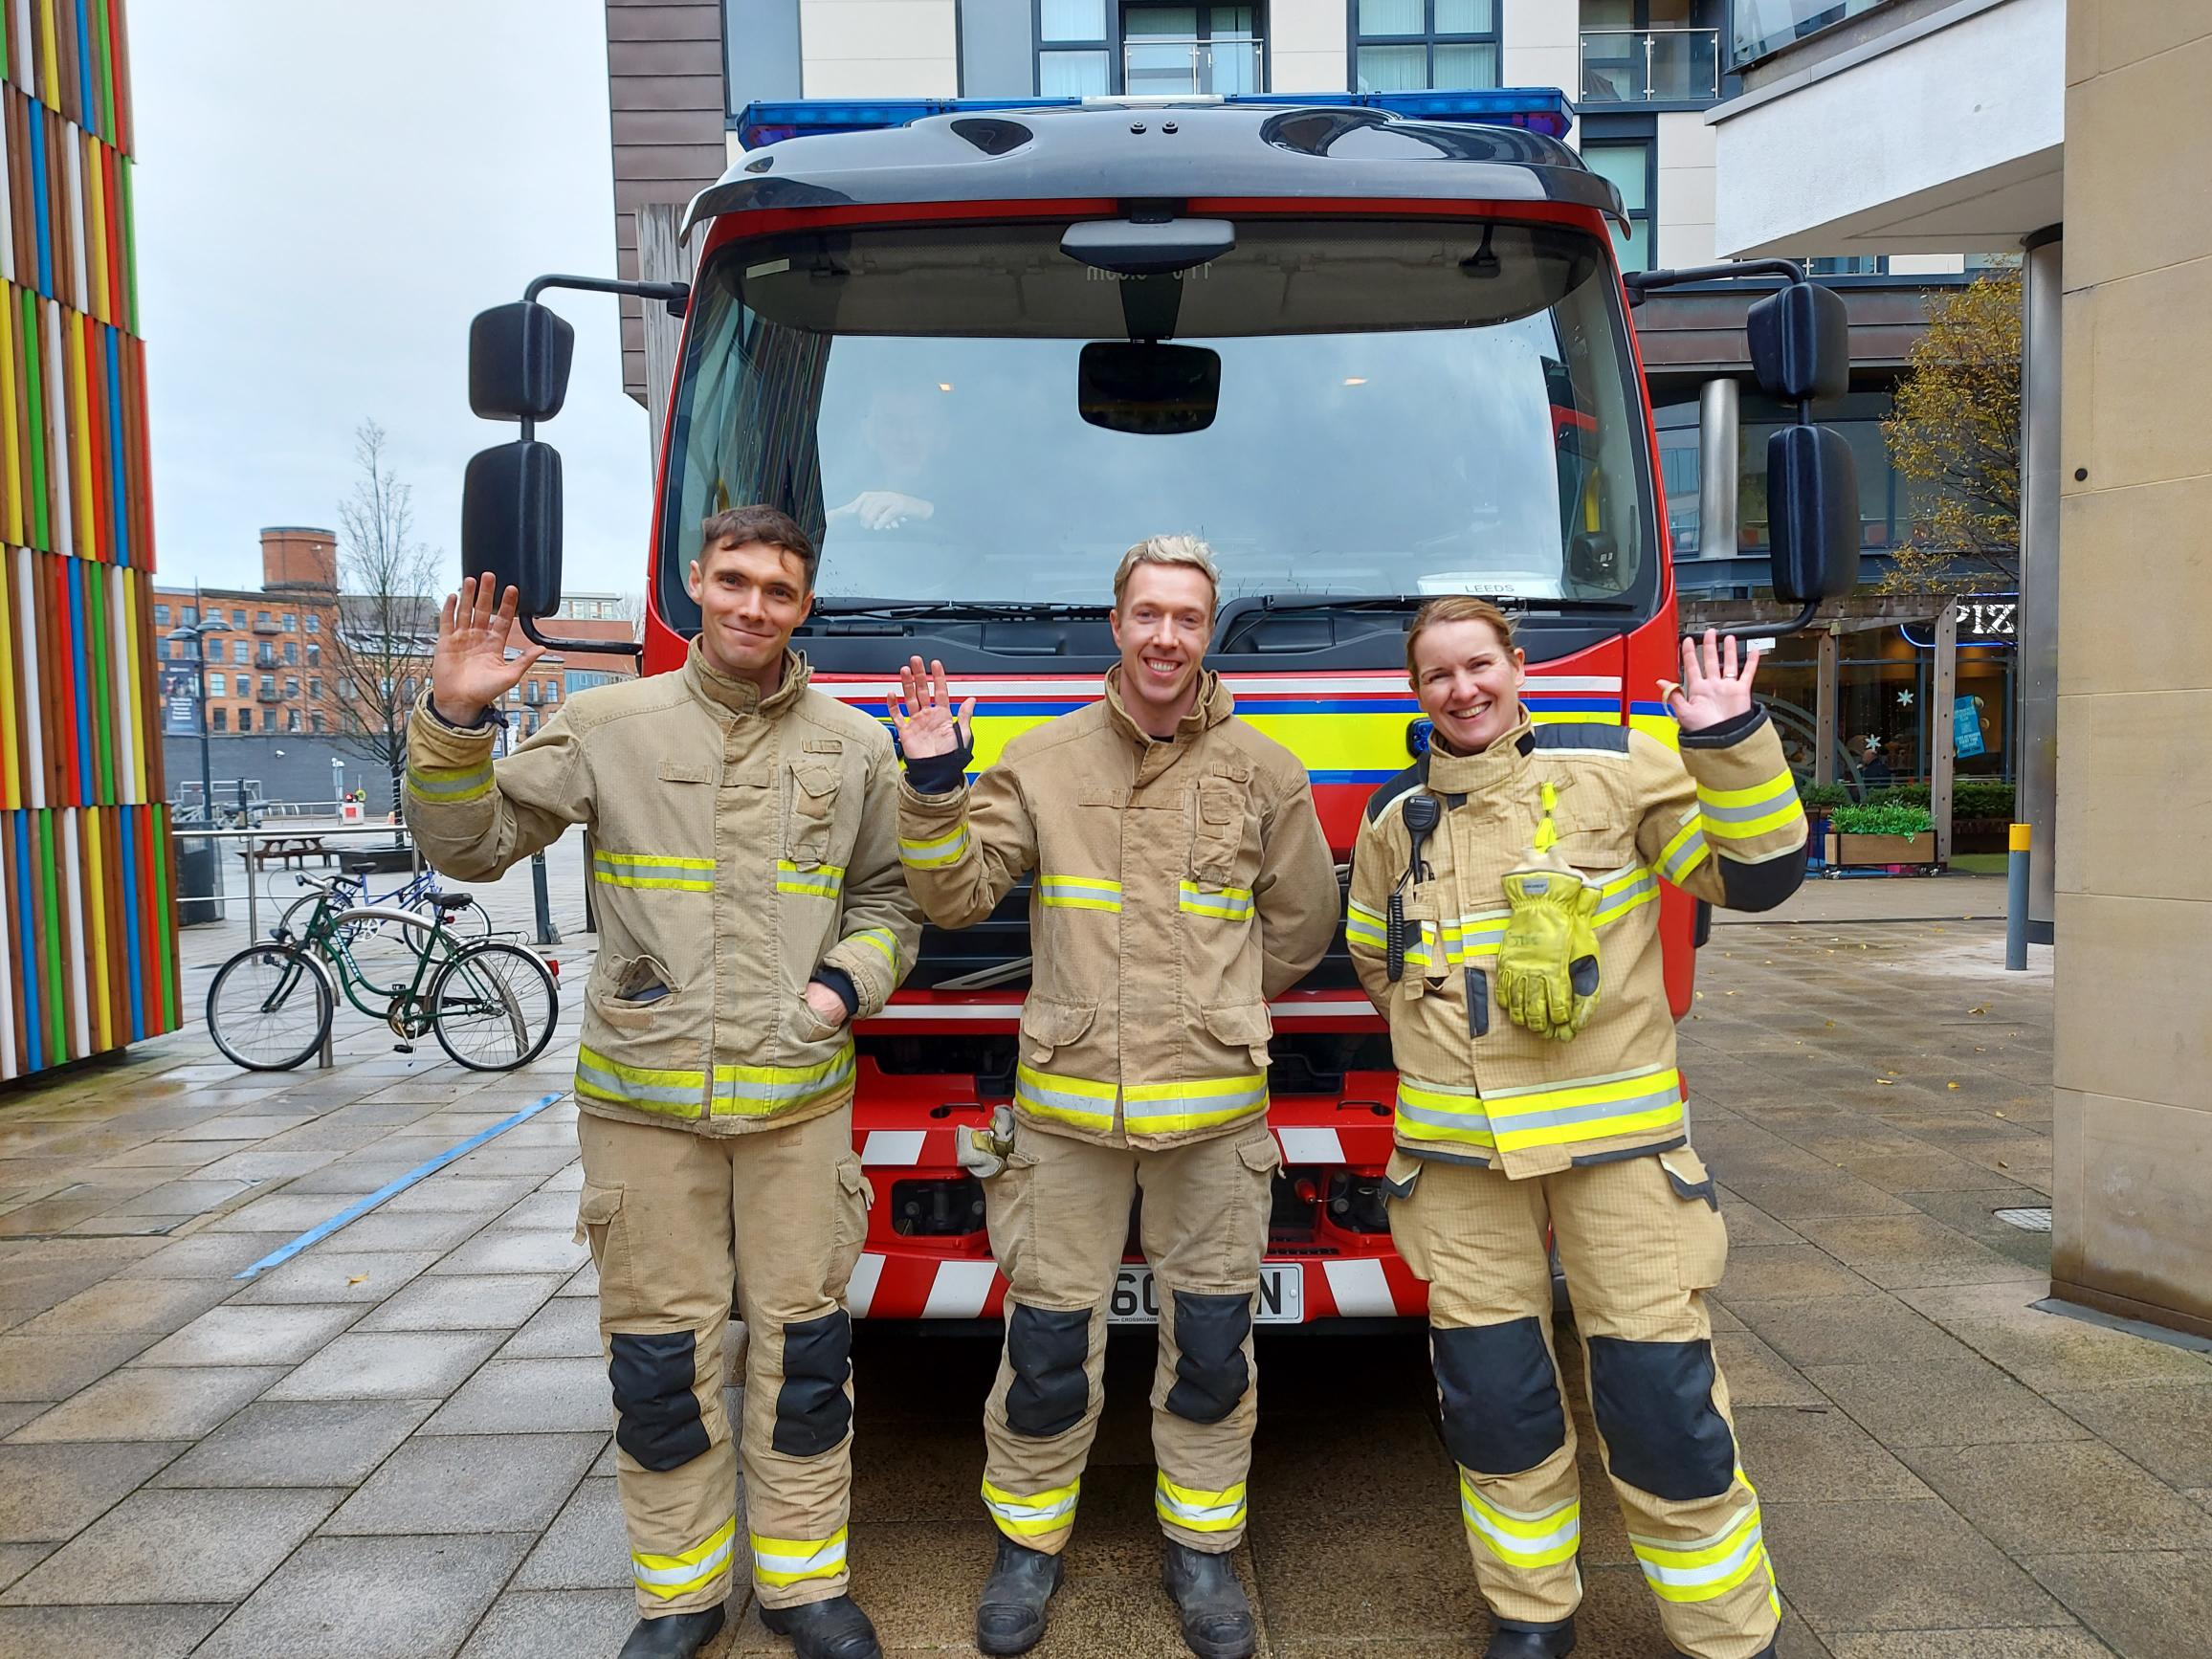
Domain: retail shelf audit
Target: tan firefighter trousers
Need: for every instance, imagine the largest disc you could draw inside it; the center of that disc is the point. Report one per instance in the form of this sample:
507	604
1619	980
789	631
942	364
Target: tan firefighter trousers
671	1218
1642	1240
1059	1220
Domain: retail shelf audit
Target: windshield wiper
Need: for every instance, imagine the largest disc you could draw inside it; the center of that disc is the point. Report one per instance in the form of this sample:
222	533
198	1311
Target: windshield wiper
1273	603
955	610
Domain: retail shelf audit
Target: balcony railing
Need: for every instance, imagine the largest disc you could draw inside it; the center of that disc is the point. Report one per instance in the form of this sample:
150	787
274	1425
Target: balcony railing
1765	27
1164	65
1651	66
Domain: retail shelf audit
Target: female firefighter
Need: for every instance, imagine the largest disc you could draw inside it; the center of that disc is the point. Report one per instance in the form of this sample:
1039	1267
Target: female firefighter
1502	917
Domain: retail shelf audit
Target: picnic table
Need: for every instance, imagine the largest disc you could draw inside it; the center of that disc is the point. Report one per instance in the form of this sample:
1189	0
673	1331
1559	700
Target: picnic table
287	850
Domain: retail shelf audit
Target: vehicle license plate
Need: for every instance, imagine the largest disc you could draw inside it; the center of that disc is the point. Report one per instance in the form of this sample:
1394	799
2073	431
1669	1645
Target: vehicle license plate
1282	1296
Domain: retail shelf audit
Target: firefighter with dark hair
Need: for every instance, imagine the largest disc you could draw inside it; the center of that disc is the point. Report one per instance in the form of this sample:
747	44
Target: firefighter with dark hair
1504	918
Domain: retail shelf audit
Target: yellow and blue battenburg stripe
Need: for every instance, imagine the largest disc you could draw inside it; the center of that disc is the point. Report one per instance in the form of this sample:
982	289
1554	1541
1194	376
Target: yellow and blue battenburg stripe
809	880
1036	1514
1222	903
1077	892
1196	1510
1542	1114
668	1577
1543	1539
737	1090
780	1561
936	851
652	870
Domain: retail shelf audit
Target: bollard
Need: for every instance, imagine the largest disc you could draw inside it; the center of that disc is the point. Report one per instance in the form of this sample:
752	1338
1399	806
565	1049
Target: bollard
2016	901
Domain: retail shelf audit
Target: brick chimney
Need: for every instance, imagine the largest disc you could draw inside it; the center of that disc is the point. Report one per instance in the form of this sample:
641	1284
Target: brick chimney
300	556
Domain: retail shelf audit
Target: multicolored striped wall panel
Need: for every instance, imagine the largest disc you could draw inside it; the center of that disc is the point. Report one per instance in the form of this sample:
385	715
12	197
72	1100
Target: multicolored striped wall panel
87	922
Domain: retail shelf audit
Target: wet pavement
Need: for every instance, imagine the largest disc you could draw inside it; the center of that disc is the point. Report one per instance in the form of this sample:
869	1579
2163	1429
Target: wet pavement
398	1442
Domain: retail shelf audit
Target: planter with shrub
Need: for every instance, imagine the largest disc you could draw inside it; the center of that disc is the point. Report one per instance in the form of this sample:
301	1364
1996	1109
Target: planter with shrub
1879	834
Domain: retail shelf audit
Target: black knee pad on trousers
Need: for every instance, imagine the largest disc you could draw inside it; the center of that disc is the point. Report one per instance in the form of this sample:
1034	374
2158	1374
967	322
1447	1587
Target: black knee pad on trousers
1653	1403
1047	1348
1210	1373
657	1415
1500	1395
813	1414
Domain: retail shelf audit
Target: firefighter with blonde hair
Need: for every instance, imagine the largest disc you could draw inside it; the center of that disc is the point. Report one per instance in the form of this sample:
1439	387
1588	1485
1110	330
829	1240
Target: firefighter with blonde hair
1503	918
1180	880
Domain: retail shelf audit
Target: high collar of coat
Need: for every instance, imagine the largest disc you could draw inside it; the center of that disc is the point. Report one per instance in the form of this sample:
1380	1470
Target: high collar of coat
1212	705
1452	773
742	696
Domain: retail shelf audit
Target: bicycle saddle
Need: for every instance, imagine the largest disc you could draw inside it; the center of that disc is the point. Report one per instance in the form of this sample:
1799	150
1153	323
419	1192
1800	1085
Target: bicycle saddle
360	867
453	900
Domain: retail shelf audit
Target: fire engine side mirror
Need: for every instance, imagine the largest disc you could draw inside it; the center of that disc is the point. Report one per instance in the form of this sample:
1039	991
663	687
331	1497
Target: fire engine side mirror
511	521
1799	339
519	358
1812	501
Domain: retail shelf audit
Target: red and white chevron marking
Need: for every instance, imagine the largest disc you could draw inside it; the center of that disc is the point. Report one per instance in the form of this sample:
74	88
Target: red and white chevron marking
918	1287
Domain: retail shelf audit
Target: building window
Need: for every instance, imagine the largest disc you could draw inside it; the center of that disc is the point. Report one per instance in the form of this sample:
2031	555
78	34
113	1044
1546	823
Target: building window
237	619
1182	51
291	720
315	690
292	651
1074	53
219	721
191	615
1409	45
161	617
314	623
552	690
260	619
291	621
268	685
1627	164
314	654
245	718
241	652
314	722
215	685
291	686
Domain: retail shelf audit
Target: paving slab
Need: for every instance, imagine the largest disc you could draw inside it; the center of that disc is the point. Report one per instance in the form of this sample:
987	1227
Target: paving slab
568	1327
469	1484
109	1632
2145	1603
152	1403
361	1598
1815	1454
516	1251
298	1442
259	1334
49	1493
532	1624
388	1365
1911	1250
1964	1401
206	1255
2165	1427
2015	1644
1898	1564
50	1368
465	1302
336	1272
529	1396
2050	1352
176	1546
2060	1497
586	1548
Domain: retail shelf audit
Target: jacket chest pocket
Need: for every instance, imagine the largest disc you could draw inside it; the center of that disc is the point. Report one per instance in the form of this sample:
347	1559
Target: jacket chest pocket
1219	823
810	819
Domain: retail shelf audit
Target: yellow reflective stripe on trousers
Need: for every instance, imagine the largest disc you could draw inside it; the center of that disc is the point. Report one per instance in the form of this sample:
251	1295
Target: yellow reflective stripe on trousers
450	786
1224	903
1701	1571
788	1561
814	880
652	870
1740	814
1078	893
1172	1108
1683	854
763	1091
1363	926
1543	1114
936	852
1032	1515
1199	1512
1522	1540
668	1577
1081	1101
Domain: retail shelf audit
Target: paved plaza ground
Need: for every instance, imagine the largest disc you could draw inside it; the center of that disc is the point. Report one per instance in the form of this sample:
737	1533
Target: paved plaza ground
398	1443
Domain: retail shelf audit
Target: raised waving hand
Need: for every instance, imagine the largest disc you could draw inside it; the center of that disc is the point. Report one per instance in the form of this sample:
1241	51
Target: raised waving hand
470	669
924	714
1714	690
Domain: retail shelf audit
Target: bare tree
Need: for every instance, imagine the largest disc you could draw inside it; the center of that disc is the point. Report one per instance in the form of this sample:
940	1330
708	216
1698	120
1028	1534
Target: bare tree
387	611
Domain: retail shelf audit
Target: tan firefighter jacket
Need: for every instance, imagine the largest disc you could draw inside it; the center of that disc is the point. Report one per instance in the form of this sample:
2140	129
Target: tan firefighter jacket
738	842
1722	822
1180	884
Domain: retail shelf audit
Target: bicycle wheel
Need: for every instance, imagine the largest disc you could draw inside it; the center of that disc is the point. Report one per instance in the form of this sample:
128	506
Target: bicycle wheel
269	1008
494	1008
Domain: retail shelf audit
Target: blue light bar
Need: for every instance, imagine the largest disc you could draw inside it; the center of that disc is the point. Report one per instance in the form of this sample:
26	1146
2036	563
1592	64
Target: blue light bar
1540	109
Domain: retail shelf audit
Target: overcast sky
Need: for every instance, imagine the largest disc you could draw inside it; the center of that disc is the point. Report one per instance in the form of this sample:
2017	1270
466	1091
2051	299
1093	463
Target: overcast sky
325	195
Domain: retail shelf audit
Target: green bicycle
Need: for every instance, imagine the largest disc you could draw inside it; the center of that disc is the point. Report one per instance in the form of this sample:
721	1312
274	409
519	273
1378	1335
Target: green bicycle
491	1004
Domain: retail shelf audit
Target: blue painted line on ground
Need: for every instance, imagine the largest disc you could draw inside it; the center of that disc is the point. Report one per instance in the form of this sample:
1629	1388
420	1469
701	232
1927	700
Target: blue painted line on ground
361	1207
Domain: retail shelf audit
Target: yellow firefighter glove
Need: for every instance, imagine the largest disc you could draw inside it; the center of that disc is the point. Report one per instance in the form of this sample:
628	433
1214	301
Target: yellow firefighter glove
1547	962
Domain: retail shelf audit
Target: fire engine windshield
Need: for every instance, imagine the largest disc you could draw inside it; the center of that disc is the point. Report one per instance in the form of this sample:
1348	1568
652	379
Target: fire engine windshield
1402	407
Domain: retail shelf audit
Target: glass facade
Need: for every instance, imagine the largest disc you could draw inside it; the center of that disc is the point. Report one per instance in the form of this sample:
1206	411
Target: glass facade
1885	686
1414	45
1627	164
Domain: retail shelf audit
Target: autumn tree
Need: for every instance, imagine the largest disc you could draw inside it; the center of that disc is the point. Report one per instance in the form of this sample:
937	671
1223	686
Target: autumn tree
387	611
1955	434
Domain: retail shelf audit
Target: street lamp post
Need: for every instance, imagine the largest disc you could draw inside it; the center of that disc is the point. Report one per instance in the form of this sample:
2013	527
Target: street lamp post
199	631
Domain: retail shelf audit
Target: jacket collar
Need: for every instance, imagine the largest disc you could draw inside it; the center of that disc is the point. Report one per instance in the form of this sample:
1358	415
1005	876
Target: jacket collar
1213	705
741	696
1472	776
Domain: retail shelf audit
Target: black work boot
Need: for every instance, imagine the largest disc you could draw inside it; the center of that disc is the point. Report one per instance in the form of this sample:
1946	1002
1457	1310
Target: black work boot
1010	1616
1531	1641
1217	1620
832	1629
679	1636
